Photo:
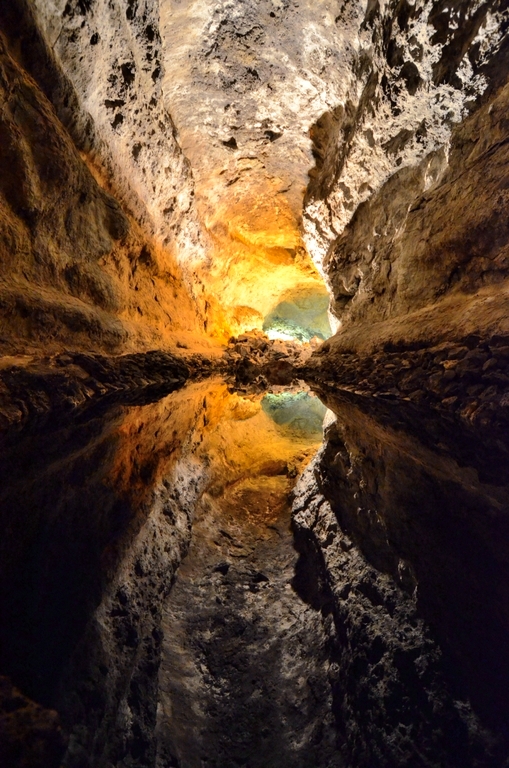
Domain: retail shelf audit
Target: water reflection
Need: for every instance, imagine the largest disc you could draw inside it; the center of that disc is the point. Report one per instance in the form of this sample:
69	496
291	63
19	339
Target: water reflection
412	564
300	413
240	646
96	514
422	502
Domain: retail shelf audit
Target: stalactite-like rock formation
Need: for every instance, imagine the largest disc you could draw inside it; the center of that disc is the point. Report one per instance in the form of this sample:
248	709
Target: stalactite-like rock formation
176	179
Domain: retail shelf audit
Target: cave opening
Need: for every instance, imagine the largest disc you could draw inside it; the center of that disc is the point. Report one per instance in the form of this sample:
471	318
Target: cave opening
254	371
300	316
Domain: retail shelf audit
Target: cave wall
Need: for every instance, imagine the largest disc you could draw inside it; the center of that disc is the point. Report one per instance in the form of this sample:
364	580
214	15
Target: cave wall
205	139
417	270
433	236
419	69
78	271
108	242
111	53
149	91
97	515
405	206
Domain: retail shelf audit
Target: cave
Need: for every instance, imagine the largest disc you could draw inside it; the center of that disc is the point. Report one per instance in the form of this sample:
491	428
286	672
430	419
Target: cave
254	384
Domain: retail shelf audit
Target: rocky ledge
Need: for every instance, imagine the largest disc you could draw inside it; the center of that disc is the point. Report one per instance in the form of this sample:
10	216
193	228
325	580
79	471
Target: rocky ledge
63	384
468	377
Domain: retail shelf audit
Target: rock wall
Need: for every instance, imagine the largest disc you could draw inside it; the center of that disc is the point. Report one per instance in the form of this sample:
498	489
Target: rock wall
379	641
111	52
393	521
244	82
239	684
77	270
433	236
97	516
419	69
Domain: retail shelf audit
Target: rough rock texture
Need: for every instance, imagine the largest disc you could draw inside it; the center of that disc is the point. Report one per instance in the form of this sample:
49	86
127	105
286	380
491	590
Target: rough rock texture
253	360
30	736
76	270
433	235
419	277
386	643
60	386
418	69
239	686
244	82
111	52
402	524
469	376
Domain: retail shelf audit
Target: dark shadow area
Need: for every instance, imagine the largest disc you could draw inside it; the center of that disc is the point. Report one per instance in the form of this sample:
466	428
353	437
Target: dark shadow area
63	525
84	511
419	584
400	603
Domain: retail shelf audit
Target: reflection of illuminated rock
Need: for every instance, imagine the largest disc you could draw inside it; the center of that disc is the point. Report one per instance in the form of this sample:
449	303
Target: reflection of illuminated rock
118	493
237	679
297	414
165	200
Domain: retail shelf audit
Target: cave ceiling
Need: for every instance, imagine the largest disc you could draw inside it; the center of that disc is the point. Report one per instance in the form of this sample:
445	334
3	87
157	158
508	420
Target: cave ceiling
221	123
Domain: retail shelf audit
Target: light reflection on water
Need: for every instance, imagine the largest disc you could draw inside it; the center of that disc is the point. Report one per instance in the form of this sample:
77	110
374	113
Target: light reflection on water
78	497
297	412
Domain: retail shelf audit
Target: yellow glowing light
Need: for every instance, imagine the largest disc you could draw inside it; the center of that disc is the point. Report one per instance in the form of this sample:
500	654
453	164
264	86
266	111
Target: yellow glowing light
256	250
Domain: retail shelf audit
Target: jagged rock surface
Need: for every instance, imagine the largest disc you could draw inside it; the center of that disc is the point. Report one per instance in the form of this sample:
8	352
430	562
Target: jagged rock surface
433	234
61	386
111	52
469	376
392	650
77	271
97	516
252	359
240	685
419	68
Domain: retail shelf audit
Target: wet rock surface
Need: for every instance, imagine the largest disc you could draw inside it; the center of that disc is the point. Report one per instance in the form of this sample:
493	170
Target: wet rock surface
253	359
96	514
469	377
